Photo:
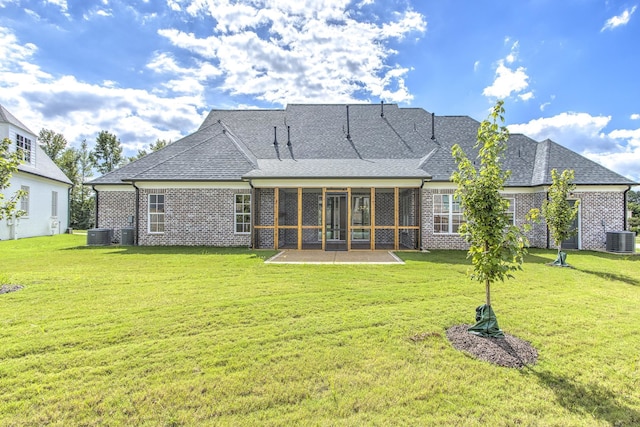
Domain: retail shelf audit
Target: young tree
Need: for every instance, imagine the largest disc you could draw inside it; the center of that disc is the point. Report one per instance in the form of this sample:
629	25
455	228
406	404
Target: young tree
52	143
107	154
9	163
558	213
497	247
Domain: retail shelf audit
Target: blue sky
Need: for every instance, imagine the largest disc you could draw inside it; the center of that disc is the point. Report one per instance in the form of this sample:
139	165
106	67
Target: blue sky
567	70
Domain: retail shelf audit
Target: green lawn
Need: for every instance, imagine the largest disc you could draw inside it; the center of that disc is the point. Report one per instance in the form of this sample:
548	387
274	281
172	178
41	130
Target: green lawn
200	336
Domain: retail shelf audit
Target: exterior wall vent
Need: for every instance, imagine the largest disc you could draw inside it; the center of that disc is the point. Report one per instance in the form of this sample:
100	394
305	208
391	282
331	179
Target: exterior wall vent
621	241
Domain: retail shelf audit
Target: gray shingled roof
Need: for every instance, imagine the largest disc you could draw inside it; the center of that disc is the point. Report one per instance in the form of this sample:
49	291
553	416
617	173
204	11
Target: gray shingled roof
45	167
317	141
7	117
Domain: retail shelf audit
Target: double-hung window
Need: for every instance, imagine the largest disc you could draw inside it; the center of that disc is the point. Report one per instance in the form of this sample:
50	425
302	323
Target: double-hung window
24	146
24	200
242	215
447	214
156	213
511	210
54	204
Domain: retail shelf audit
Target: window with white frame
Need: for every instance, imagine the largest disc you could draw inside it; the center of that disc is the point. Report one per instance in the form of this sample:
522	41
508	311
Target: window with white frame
447	214
156	213
242	216
23	146
511	210
54	204
24	200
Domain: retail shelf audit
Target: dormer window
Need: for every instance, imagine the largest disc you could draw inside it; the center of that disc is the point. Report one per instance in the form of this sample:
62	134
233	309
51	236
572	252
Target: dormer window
24	146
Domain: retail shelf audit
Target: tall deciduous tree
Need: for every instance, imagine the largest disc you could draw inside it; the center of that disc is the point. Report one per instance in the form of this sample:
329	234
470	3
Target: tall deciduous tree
52	143
558	212
107	154
84	198
9	162
497	247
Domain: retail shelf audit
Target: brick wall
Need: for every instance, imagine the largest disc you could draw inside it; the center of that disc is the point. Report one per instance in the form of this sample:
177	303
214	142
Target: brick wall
524	203
599	213
429	239
192	216
114	210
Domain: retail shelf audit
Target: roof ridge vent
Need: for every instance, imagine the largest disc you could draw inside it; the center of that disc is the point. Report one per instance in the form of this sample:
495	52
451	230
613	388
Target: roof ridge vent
348	129
433	126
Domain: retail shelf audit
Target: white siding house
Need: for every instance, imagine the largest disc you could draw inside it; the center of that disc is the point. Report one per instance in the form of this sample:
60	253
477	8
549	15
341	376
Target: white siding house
47	187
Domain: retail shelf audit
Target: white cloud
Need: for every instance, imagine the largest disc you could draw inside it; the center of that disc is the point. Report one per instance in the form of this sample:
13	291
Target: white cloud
616	21
80	110
618	150
509	80
299	50
578	131
526	96
635	117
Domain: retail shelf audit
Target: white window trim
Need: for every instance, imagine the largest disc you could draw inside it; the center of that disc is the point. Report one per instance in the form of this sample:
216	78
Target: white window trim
28	152
235	214
54	204
450	213
512	202
24	200
149	213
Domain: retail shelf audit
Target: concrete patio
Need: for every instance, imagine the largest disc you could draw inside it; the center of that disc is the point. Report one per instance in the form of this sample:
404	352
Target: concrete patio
334	257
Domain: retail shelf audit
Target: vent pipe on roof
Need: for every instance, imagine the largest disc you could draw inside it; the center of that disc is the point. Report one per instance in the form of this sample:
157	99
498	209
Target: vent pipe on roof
348	132
381	108
288	136
433	125
275	136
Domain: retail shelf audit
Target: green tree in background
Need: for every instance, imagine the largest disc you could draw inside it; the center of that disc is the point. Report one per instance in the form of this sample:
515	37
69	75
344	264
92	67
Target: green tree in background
77	165
82	202
107	154
52	143
558	212
9	162
154	146
633	204
497	247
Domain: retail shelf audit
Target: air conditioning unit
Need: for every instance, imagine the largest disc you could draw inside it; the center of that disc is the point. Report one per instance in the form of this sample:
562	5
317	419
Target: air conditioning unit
621	241
128	236
99	237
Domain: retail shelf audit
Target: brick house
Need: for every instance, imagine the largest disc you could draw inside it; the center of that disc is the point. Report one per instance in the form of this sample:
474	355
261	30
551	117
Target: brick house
337	177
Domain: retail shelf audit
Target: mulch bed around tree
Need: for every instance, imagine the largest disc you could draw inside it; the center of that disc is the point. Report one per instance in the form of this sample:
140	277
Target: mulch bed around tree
509	351
5	289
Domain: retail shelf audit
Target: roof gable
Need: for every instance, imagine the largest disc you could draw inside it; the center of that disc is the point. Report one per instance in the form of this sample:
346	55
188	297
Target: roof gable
587	172
44	166
7	117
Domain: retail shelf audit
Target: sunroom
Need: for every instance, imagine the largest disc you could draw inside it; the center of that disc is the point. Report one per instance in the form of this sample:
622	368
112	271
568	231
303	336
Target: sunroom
337	218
